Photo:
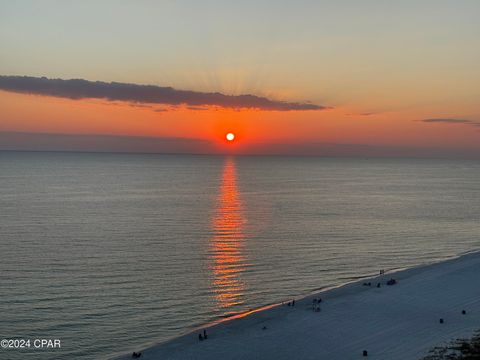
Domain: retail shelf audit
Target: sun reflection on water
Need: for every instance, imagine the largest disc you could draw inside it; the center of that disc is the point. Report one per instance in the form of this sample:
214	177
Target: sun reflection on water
227	243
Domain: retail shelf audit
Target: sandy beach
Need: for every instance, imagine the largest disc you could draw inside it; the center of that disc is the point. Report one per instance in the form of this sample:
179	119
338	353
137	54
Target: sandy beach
401	321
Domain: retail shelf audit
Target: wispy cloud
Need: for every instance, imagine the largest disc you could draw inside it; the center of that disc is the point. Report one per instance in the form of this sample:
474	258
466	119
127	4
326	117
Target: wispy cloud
452	121
362	114
115	91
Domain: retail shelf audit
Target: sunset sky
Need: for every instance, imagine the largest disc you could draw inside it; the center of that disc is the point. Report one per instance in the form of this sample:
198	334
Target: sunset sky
341	77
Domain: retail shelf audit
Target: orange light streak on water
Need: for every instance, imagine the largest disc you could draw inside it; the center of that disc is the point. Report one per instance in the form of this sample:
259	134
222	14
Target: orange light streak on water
228	242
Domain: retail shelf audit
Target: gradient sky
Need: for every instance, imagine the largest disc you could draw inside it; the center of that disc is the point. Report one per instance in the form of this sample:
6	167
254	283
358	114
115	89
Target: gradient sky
396	77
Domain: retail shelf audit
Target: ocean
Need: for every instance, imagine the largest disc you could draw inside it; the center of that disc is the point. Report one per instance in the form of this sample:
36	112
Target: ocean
113	252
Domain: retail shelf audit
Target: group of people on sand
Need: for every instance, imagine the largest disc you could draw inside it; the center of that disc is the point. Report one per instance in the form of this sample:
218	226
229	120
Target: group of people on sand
315	304
390	282
136	355
315	307
204	336
370	284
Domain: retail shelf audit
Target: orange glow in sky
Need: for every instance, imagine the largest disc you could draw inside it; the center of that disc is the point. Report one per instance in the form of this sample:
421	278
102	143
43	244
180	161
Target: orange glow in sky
360	88
205	130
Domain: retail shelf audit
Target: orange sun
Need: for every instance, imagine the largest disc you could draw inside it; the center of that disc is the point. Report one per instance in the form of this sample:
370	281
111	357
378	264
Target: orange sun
230	136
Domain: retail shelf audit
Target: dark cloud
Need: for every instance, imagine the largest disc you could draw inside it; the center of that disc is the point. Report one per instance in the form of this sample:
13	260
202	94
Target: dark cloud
362	114
447	120
452	121
115	91
197	108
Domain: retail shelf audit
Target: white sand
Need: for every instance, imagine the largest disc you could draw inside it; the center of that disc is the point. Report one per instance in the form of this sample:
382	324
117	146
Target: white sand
391	322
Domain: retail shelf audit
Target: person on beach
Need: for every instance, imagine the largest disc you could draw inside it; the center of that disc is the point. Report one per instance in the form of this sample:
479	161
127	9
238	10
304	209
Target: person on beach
391	282
316	301
200	337
293	302
204	334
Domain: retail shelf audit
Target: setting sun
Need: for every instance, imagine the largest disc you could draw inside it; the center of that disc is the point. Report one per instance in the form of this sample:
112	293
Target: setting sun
230	136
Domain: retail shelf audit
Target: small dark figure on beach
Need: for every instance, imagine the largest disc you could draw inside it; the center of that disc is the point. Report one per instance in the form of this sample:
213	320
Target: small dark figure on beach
391	282
205	334
314	301
378	285
289	304
441	321
365	353
293	303
264	328
319	300
200	337
463	312
382	272
317	309
136	355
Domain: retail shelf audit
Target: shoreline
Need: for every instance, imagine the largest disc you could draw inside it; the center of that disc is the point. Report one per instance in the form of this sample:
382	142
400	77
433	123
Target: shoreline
237	329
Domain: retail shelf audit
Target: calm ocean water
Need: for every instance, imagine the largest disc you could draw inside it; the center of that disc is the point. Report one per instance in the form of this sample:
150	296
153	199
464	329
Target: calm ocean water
111	252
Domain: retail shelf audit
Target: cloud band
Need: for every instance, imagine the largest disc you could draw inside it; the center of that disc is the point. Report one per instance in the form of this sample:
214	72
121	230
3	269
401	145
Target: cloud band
115	91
